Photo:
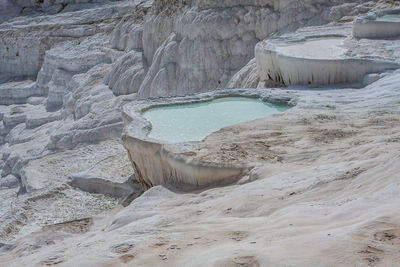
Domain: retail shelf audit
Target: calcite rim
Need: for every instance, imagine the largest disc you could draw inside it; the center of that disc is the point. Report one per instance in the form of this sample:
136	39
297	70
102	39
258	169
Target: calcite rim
171	161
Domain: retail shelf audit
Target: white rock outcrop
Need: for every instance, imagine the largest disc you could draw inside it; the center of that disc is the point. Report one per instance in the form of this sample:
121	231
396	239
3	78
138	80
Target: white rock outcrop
126	74
157	162
17	92
247	77
322	55
371	26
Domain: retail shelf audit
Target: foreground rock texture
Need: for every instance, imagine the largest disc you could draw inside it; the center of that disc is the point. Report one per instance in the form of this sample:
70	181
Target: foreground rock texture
324	185
326	189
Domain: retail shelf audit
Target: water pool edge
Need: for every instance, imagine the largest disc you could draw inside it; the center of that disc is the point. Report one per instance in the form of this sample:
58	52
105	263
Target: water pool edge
156	162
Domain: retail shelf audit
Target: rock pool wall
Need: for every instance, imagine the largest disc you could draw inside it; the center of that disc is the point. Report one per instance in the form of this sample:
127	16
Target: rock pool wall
158	163
368	27
349	68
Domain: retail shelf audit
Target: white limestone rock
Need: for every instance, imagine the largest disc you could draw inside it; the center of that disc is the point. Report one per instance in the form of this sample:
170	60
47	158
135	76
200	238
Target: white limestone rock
9	181
89	183
26	39
91	112
247	77
36	100
370	78
56	87
9	165
126	74
162	71
370	25
6	246
37	119
12	120
128	33
323	55
214	39
59	67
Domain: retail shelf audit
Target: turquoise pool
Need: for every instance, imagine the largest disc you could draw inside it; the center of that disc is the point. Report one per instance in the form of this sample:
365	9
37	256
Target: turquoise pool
193	122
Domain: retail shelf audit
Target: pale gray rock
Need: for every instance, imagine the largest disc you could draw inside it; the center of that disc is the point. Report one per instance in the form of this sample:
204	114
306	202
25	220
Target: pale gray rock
36	120
58	67
35	100
9	165
5	246
3	130
162	71
127	35
60	46
26	39
70	139
5	156
57	88
247	77
330	54
370	78
18	135
368	26
88	183
12	120
8	9
9	181
126	74
17	92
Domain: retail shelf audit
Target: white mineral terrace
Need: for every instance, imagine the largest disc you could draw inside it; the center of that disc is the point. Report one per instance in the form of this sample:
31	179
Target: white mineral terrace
157	161
389	18
320	48
321	56
378	24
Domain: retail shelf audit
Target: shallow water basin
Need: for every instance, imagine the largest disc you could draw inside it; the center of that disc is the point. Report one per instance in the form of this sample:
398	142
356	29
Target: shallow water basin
193	122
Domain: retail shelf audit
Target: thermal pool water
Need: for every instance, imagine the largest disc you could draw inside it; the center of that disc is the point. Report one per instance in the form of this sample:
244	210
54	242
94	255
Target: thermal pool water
193	122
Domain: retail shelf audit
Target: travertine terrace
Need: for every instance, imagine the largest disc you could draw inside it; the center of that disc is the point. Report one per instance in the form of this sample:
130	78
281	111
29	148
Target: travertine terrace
383	23
82	184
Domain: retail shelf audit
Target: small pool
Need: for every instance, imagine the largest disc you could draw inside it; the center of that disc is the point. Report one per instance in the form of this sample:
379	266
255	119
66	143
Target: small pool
193	122
319	48
389	18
